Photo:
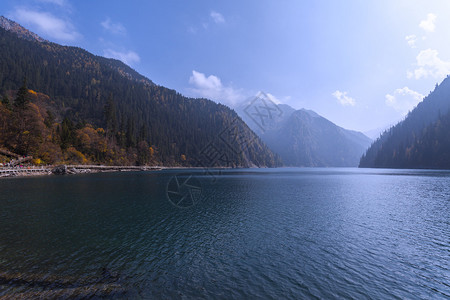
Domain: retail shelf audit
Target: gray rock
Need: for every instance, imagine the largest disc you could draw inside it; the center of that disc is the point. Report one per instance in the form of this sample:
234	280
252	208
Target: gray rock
60	170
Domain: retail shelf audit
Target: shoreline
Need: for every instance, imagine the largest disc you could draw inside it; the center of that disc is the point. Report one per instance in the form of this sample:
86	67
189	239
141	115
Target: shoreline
71	170
59	170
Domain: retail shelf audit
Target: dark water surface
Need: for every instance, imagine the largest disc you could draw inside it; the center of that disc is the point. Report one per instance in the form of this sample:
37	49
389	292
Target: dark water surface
271	234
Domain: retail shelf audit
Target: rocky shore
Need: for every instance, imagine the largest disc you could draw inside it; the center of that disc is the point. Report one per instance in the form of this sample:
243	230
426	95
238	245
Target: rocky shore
69	169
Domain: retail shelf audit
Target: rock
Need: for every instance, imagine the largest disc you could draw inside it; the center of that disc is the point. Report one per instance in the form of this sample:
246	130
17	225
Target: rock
60	170
72	171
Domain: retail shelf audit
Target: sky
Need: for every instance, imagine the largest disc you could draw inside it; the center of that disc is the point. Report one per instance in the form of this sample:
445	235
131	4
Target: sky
361	64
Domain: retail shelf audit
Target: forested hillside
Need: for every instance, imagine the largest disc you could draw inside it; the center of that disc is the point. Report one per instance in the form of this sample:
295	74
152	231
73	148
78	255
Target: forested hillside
421	140
74	94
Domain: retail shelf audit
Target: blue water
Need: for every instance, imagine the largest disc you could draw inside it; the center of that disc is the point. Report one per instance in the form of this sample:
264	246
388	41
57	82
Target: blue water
240	234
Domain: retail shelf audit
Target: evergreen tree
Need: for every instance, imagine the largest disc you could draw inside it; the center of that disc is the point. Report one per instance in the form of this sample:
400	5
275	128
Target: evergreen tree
143	133
5	102
130	136
22	96
66	133
110	117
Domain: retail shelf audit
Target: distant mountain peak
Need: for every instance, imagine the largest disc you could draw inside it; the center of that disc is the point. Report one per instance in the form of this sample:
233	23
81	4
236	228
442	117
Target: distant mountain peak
304	138
21	32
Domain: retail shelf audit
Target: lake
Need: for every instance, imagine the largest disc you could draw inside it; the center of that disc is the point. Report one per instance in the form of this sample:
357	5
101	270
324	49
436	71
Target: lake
232	234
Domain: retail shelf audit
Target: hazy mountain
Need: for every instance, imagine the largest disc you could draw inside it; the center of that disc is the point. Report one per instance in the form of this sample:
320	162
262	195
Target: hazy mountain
87	98
304	138
421	140
376	132
261	122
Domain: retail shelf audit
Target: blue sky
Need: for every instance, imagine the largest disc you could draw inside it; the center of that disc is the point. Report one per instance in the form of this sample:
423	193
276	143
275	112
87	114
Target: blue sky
361	64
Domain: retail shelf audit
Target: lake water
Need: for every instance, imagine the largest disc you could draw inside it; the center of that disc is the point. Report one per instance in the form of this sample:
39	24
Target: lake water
240	234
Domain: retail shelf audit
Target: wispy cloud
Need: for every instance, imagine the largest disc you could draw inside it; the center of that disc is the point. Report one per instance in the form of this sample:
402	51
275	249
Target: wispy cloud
128	57
343	98
211	87
217	17
403	100
274	99
46	24
56	2
430	65
214	18
429	23
115	28
411	40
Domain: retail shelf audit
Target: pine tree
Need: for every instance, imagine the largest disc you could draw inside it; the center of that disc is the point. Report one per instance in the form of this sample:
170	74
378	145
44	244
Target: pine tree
22	96
143	133
130	136
5	102
110	117
66	133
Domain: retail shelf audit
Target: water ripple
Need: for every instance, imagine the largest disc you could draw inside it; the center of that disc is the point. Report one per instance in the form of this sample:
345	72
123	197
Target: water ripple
283	233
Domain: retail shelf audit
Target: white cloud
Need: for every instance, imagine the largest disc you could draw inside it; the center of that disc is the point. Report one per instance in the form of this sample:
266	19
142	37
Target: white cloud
209	83
273	99
403	100
116	28
128	57
211	87
344	99
46	24
217	17
411	40
429	23
430	65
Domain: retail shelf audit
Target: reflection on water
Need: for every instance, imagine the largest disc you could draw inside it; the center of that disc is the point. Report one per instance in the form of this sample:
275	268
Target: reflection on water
269	233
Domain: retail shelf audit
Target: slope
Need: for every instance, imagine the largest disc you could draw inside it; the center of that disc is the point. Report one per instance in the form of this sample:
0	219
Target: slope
81	86
421	140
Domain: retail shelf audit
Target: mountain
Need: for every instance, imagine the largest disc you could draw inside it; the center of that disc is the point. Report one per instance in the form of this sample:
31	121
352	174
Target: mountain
76	106
21	32
376	132
421	140
303	138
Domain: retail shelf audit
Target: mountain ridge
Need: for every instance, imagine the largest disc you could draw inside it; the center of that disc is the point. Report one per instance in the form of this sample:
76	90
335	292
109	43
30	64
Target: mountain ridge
89	97
21	31
421	140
